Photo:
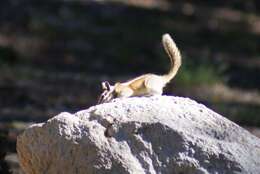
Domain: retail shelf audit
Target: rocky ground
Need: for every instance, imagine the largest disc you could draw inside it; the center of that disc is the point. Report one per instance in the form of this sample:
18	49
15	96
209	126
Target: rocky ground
146	135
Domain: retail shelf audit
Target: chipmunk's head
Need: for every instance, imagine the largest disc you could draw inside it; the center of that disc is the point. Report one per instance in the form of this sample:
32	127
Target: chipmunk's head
108	93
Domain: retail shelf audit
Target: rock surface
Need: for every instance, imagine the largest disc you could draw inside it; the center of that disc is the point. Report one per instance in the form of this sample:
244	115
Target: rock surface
150	135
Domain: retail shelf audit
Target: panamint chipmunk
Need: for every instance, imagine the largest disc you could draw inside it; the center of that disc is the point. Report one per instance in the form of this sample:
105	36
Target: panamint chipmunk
147	84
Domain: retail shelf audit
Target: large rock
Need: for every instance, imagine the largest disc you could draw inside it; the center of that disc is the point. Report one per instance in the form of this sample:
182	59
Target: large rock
139	135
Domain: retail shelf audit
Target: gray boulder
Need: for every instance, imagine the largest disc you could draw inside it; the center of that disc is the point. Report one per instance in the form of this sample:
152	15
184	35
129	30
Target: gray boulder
150	135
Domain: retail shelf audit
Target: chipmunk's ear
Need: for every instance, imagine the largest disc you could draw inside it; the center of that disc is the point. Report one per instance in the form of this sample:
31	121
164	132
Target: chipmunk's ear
105	85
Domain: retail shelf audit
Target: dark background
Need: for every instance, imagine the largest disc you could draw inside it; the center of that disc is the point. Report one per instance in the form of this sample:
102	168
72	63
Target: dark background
55	53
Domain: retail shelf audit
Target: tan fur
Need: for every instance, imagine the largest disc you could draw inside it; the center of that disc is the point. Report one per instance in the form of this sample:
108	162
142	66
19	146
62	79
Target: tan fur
148	84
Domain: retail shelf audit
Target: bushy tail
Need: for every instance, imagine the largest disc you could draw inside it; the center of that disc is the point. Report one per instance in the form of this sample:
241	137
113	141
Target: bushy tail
174	55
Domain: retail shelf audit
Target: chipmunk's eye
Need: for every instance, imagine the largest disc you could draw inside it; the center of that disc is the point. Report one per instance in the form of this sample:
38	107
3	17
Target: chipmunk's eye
114	94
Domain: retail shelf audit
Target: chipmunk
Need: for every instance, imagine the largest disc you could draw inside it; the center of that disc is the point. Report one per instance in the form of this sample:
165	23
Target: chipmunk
147	84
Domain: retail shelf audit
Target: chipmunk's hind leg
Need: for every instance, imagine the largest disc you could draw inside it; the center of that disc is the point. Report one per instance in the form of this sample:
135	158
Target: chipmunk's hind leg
154	85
